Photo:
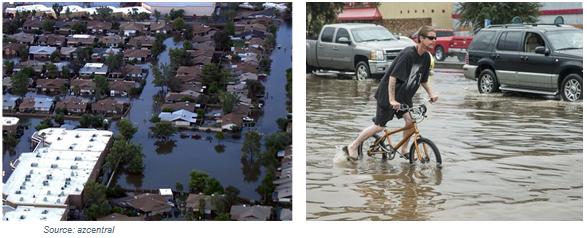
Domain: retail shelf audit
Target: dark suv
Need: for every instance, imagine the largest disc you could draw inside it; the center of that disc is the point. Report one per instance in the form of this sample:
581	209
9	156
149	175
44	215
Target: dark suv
531	58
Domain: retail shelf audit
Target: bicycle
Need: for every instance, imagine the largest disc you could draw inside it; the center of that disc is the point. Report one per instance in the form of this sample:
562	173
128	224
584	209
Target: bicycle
423	149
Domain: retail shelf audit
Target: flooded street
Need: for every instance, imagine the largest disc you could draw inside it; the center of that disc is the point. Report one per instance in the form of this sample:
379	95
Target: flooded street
506	156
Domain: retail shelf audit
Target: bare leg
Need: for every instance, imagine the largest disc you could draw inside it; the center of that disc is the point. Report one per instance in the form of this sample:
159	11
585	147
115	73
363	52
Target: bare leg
408	119
365	134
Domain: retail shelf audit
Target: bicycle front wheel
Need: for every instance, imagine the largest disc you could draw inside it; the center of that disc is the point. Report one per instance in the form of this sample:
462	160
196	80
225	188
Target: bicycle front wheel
426	150
369	145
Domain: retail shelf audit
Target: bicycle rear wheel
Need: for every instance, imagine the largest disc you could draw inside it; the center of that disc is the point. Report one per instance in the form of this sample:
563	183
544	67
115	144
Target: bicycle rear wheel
369	143
428	150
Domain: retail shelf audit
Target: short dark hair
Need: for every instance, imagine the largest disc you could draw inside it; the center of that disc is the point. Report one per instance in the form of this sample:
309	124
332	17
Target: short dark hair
423	31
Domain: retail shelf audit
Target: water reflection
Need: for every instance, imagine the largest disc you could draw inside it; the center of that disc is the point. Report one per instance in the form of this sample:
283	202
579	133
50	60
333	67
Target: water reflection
164	147
251	170
219	148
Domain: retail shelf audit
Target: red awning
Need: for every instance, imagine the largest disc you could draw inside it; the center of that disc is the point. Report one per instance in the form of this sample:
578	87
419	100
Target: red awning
369	13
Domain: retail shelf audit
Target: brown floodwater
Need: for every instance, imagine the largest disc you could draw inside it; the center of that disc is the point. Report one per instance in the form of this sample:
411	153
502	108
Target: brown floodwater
506	156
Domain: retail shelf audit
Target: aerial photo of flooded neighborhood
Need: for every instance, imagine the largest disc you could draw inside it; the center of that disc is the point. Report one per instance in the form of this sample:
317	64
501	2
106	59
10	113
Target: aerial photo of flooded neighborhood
147	111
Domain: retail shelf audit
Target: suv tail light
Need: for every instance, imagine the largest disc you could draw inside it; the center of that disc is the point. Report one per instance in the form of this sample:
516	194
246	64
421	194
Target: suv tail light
467	58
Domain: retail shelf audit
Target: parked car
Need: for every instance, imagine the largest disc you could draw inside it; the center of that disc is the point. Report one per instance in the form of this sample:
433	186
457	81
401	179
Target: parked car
532	58
447	44
365	49
248	119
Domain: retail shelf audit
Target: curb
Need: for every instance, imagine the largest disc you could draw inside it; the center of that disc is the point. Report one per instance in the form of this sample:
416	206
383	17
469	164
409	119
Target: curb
445	65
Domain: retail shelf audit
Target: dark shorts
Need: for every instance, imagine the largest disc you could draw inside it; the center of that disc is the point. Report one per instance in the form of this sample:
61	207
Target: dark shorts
383	115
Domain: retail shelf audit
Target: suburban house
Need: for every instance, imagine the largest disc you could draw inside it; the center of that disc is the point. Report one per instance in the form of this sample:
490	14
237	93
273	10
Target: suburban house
85	85
30	26
38	67
144	41
229	120
262	20
150	204
252	213
239	89
68	53
81	40
36	105
94	68
8	102
175	97
108	106
119	217
111	41
12	48
250	34
256	43
202	60
202	30
161	28
27	105
99	27
72	105
131	28
180	117
63	27
120	87
189	106
51	40
24	38
193	204
132	72
243	68
138	54
248	76
41	52
51	85
201	39
100	54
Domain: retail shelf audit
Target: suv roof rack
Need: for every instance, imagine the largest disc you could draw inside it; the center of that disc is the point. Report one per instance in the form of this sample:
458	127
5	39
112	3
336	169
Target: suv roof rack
525	25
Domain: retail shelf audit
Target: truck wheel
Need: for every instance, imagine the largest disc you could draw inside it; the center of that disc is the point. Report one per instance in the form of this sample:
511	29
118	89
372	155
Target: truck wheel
572	87
362	71
439	54
487	82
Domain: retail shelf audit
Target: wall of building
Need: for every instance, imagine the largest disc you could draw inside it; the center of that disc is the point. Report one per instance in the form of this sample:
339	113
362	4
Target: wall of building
439	14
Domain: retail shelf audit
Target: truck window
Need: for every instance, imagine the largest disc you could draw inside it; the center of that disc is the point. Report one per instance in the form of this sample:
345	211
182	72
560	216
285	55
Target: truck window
532	41
443	33
342	33
509	41
482	40
327	34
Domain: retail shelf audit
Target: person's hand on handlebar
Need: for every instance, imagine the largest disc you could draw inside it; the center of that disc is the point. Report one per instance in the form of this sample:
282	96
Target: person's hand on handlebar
394	104
433	97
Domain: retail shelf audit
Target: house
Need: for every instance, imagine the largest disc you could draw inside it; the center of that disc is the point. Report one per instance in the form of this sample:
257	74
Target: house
93	68
120	87
202	30
180	117
252	213
85	85
249	76
119	217
51	40
37	66
68	53
81	40
24	38
201	39
227	121
131	28
188	106
256	43
161	28
202	60
192	87
63	27
138	54
267	13
108	106
12	48
51	85
41	52
144	41
250	34
8	102
189	74
175	97
72	105
193	203
112	41
43	105
99	27
150	204
100	54
132	72
251	59
256	27
27	105
244	68
262	21
32	25
242	109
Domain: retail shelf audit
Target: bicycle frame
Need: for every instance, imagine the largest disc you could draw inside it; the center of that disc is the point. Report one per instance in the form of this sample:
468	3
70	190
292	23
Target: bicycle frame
414	132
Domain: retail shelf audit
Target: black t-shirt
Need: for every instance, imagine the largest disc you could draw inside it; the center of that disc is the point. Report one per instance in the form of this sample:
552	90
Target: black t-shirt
410	70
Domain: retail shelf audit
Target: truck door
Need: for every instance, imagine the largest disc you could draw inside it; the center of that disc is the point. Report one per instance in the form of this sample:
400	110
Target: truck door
324	47
342	53
535	69
506	57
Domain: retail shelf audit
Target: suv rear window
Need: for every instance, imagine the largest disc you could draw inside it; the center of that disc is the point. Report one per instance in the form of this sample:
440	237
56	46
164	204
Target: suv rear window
482	40
509	41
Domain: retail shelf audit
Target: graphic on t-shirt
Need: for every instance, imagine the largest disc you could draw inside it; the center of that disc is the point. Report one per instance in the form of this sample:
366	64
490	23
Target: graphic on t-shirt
414	79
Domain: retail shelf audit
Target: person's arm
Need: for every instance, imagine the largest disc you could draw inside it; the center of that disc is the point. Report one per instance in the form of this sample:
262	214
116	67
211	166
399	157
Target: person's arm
391	91
433	97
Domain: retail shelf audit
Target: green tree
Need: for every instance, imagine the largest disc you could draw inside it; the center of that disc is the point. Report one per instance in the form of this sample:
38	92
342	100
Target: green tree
232	195
221	40
179	187
136	166
20	83
48	25
157	15
164	129
167	18
102	86
158	79
229	27
213	186
174	14
10	141
52	70
228	101
66	73
282	123
251	145
189	216
8	66
254	88
94	193
475	13
197	181
321	13
79	27
67	12
288	86
57	9
24	54
219	202
267	186
220	136
222	217
126	128
188	33
178	24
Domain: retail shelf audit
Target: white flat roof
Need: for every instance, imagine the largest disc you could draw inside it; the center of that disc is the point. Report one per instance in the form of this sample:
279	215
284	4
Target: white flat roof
57	168
94	65
28	213
9	121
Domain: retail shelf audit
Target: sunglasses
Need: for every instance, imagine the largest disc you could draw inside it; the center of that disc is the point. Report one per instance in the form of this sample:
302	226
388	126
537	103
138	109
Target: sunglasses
430	37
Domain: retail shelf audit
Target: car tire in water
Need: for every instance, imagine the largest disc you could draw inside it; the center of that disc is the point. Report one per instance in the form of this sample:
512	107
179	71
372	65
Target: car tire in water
572	87
487	82
362	71
428	151
439	54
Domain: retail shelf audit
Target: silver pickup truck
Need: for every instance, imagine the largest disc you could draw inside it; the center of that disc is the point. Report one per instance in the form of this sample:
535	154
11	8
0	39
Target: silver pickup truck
365	49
